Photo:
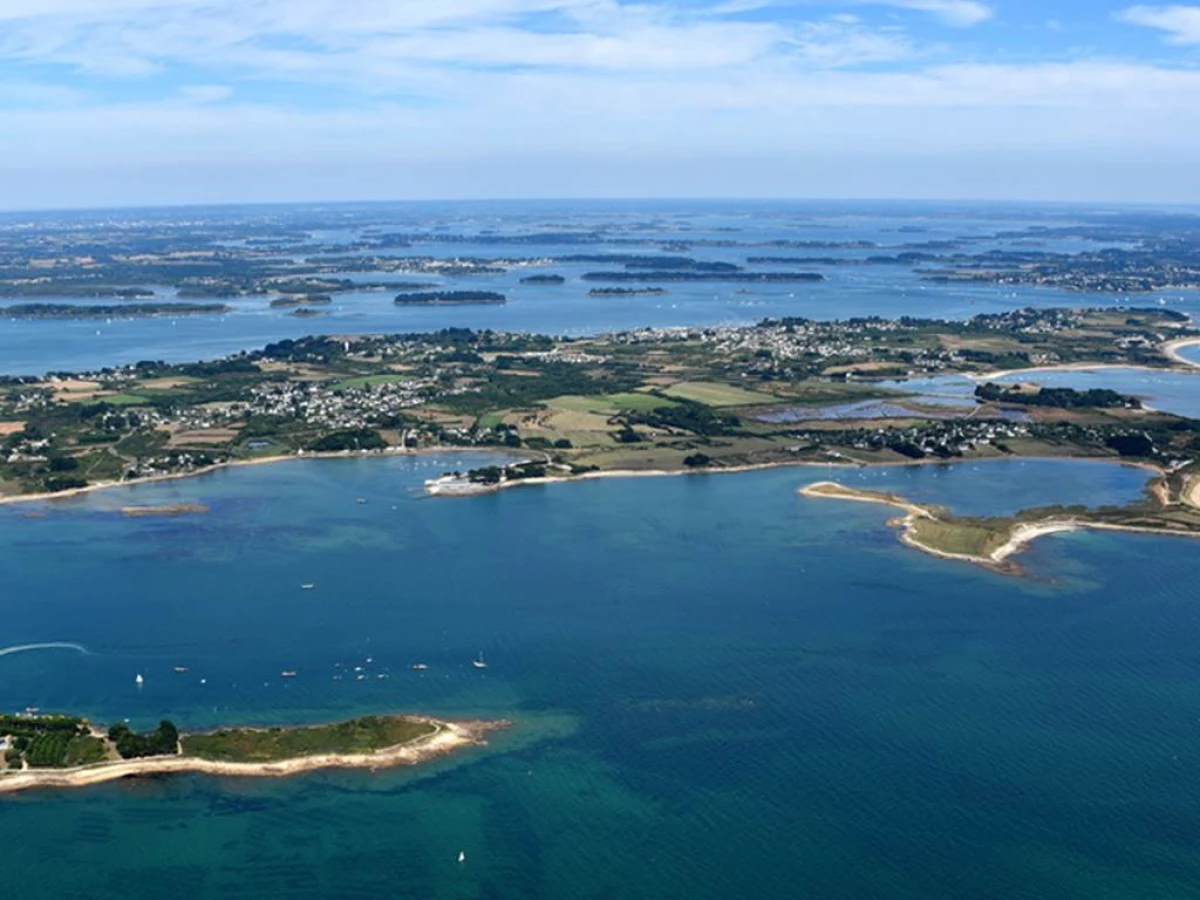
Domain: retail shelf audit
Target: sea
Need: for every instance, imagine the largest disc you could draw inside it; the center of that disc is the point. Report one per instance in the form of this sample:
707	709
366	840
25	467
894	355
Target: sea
717	688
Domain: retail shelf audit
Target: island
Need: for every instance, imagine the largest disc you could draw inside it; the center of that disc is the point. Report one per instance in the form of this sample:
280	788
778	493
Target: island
129	311
301	300
703	275
451	298
543	280
43	751
628	292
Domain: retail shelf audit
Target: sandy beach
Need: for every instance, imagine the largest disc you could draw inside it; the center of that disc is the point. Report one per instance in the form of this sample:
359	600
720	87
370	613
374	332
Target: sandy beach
1172	348
1022	535
449	737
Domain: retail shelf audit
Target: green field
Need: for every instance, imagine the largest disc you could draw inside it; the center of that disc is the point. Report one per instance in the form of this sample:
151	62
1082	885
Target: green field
608	404
362	735
124	400
491	420
718	395
964	537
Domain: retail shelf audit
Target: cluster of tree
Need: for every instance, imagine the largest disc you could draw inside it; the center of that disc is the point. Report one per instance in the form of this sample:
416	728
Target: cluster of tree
552	379
702	275
495	474
41	741
348	439
163	741
443	298
687	415
543	280
1057	397
628	292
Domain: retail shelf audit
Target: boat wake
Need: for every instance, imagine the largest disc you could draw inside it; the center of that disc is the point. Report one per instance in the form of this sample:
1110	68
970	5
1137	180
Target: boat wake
50	645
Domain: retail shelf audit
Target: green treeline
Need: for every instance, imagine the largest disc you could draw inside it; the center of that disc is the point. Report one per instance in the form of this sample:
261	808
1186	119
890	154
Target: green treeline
687	415
163	741
437	298
349	439
1057	397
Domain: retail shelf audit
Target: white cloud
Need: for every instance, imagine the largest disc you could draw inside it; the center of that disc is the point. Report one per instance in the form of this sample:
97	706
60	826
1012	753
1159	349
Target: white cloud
1181	23
381	45
960	13
205	93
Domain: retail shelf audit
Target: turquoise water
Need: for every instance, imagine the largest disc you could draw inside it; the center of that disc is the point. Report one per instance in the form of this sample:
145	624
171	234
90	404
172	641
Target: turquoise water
719	689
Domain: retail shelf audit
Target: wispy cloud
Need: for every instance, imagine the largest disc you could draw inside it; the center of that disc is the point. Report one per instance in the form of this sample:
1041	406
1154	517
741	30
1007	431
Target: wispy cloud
956	13
1181	23
354	83
960	13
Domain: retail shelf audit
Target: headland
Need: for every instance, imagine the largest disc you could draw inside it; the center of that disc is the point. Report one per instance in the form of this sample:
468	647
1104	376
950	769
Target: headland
65	752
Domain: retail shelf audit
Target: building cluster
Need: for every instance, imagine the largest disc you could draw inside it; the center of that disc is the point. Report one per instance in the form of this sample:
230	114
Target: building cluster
330	406
940	439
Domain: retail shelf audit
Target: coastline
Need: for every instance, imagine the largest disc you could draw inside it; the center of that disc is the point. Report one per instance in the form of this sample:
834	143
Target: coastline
1184	366
1171	350
448	738
475	490
1022	534
472	490
231	464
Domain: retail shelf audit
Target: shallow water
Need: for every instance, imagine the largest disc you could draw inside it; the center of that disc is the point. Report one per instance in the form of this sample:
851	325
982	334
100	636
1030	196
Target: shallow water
719	688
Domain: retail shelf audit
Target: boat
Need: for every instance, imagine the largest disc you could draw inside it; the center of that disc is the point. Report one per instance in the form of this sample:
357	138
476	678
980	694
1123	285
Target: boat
179	670
419	667
307	587
478	662
462	856
288	673
139	680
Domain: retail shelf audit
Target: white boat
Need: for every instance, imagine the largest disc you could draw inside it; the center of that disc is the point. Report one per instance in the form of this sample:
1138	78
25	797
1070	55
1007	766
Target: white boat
139	680
419	667
478	662
307	587
462	856
288	673
179	670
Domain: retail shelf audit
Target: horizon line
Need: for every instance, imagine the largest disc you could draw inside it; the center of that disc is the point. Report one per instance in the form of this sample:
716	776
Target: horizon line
234	204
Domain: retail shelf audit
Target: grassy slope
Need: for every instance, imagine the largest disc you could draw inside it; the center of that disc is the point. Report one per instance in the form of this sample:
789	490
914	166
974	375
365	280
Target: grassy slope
362	735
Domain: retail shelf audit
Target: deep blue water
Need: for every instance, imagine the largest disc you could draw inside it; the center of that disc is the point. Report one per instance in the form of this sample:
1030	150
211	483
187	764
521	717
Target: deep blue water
719	688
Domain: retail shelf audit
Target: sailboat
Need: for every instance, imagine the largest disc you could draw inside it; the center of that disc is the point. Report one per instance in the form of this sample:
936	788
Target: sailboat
139	680
478	662
462	856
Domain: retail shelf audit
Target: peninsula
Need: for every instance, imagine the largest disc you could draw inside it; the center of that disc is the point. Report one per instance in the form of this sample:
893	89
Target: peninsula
63	751
993	541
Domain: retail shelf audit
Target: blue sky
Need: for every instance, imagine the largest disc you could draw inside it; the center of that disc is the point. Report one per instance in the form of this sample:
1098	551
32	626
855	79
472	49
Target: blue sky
121	102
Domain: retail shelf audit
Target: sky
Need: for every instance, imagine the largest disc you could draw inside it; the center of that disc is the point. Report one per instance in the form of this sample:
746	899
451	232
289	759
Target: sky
155	102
